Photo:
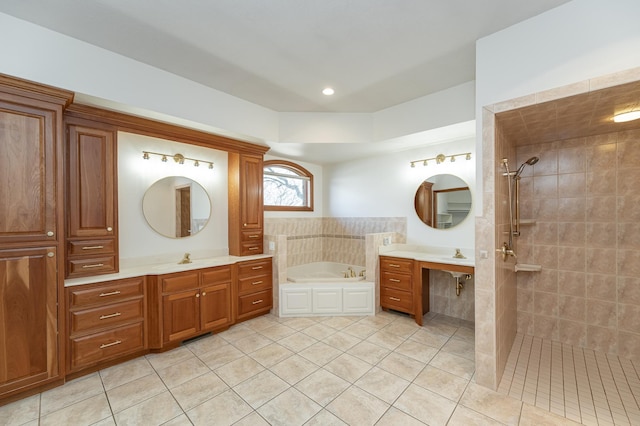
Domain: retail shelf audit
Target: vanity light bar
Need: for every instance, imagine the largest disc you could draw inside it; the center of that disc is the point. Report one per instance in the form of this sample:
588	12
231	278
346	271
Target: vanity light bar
178	158
440	158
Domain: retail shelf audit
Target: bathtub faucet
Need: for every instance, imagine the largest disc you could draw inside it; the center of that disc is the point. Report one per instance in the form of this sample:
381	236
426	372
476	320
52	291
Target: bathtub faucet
363	273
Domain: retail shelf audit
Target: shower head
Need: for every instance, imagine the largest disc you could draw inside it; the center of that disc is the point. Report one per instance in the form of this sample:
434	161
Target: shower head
531	161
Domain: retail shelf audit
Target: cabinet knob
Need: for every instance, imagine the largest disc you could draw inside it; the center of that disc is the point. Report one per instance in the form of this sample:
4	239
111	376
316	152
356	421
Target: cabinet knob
51	254
109	229
204	293
50	234
244	224
198	295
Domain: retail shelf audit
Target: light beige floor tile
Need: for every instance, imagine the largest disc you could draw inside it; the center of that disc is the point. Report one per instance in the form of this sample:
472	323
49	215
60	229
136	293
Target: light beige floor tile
467	334
325	418
417	351
454	364
294	369
339	322
298	323
441	382
320	353
181	420
205	344
198	390
461	348
261	388
429	338
348	367
382	384
322	386
533	416
169	358
21	411
359	330
289	408
155	411
440	327
221	356
277	332
402	329
492	404
357	407
126	372
135	392
402	366
182	372
377	321
395	417
253	419
224	409
297	341
252	343
260	323
109	421
271	354
342	341
239	370
463	416
86	412
386	340
426	406
369	352
236	332
319	331
71	393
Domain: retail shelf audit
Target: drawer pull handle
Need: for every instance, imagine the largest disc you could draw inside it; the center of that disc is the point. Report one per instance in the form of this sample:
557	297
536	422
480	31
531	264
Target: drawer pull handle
256	302
256	282
254	248
395	299
106	345
111	293
92	247
95	265
255	268
254	236
394	265
117	314
394	280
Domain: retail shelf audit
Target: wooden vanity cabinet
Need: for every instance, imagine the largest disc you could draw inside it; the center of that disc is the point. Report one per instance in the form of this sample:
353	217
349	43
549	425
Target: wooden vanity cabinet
92	219
396	284
255	288
106	321
246	206
31	260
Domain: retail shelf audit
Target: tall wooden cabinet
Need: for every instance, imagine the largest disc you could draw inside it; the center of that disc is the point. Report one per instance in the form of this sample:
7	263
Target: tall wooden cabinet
31	264
91	198
246	208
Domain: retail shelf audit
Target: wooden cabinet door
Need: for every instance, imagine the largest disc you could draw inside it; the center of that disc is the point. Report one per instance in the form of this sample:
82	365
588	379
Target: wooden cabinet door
28	165
28	317
181	315
215	306
92	172
251	172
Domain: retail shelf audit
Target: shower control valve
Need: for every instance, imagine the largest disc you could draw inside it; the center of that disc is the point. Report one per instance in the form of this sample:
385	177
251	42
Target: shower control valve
506	251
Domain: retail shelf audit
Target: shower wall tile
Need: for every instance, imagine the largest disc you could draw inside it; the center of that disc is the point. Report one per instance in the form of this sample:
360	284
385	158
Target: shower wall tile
601	234
572	185
601	209
602	287
572	160
571	233
629	290
572	332
629	318
602	339
571	259
629	346
572	283
572	308
601	313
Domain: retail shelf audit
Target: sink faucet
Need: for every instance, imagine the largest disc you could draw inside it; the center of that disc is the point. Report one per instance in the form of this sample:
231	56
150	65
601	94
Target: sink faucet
185	259
459	255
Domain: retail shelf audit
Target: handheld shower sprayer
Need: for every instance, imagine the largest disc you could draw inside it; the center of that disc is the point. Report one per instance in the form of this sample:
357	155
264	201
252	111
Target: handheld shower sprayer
531	161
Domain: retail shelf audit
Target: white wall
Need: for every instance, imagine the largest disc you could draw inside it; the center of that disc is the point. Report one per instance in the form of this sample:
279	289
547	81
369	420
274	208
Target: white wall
577	41
385	186
135	175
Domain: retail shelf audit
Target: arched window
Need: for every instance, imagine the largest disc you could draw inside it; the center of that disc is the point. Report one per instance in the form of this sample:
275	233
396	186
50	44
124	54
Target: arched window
287	187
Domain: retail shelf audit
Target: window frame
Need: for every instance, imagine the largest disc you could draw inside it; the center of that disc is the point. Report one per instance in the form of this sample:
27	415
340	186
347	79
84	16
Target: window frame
302	173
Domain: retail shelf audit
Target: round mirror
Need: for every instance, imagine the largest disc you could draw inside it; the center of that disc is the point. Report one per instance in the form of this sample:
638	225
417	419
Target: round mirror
176	207
443	201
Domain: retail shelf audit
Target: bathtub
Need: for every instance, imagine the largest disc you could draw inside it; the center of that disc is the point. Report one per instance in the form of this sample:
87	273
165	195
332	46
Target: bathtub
321	289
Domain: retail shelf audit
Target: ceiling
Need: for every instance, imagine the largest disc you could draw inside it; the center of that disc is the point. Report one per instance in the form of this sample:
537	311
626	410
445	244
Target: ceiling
281	53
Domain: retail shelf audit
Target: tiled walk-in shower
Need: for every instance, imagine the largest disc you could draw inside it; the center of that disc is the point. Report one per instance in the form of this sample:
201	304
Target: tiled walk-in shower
583	385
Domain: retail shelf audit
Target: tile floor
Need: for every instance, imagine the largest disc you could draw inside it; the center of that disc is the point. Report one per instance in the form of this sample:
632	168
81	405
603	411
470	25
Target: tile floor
583	385
379	370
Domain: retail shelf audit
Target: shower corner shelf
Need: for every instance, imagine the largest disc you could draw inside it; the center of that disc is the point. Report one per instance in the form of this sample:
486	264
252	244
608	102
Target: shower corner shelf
527	267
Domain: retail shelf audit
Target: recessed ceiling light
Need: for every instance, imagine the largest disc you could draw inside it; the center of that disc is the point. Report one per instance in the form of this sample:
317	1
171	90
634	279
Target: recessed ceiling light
328	91
626	116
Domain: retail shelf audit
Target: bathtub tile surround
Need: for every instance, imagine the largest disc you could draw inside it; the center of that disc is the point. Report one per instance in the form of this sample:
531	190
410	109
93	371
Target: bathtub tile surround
418	380
581	195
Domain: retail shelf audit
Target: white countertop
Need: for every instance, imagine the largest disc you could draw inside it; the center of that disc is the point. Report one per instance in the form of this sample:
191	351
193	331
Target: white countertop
163	268
429	254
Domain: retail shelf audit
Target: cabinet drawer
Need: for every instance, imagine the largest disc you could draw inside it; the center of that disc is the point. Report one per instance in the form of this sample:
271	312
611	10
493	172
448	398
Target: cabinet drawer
179	282
249	248
254	302
105	316
251	236
392	279
91	266
115	291
108	344
396	264
91	247
254	268
396	299
216	275
253	284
